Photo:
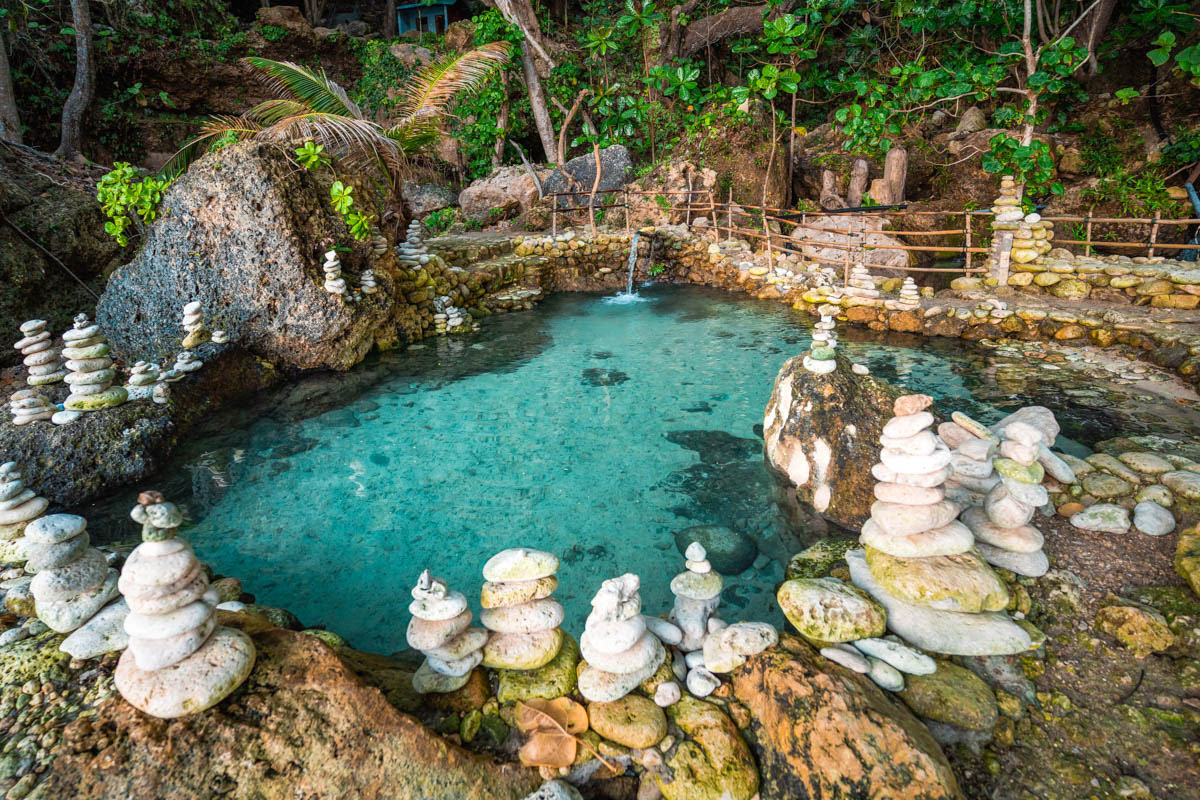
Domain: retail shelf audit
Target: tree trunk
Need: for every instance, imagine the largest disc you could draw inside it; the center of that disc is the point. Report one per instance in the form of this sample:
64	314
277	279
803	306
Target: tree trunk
390	28
537	101
10	119
522	14
1097	27
71	143
889	190
859	171
501	125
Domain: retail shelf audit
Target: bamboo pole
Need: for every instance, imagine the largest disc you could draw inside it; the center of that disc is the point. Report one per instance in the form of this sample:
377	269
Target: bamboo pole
729	207
712	216
1153	237
967	243
1087	245
554	217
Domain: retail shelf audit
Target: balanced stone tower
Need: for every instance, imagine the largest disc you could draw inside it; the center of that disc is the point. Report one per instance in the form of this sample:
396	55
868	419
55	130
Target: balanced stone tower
334	282
40	355
142	379
193	325
697	593
440	630
822	358
518	609
910	295
179	661
973	475
73	580
619	651
92	372
18	507
367	281
29	405
860	283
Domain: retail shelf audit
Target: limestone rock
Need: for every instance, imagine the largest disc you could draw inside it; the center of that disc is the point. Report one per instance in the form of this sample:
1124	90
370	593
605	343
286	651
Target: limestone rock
615	169
632	721
1142	631
712	762
827	610
952	695
961	582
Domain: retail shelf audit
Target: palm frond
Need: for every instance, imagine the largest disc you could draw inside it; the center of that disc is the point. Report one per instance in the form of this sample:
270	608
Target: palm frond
414	134
314	89
344	137
212	129
270	112
430	91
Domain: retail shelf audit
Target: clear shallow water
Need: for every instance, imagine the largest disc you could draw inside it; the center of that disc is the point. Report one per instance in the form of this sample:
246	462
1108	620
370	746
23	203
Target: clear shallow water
588	428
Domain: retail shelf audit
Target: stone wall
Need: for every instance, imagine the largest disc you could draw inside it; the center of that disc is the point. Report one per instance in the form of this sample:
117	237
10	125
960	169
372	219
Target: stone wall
1159	282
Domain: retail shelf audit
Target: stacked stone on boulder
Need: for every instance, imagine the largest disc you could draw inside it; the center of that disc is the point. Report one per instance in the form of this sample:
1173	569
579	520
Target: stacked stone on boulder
1007	208
619	651
185	362
195	334
910	295
18	507
697	593
861	284
918	561
972	473
179	660
334	282
30	405
440	629
40	355
519	610
367	280
72	580
822	358
142	379
92	373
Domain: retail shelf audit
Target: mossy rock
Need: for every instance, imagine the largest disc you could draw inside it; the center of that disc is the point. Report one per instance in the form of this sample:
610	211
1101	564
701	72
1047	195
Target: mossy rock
829	610
36	658
1187	557
816	561
713	763
663	674
555	679
962	582
632	721
1142	631
953	695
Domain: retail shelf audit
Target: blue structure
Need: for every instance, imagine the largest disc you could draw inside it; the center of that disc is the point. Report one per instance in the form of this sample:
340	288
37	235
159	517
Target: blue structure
429	17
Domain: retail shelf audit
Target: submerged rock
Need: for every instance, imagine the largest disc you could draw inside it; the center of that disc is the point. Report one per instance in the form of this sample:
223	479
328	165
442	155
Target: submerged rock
730	552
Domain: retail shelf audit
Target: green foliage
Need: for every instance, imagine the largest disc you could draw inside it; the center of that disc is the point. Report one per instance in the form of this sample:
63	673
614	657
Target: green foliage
273	33
342	197
309	155
128	200
1184	150
440	221
1030	164
1139	195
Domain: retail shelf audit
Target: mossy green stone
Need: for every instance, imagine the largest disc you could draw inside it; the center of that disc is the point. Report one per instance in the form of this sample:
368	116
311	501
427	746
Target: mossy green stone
1019	472
469	727
817	561
110	397
36	658
713	762
827	610
555	679
962	582
1071	289
953	695
1142	631
1104	486
822	354
495	727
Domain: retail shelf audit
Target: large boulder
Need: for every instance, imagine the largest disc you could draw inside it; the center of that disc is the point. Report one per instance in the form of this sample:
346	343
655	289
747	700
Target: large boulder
822	438
615	168
244	232
814	238
505	193
290	18
425	198
819	730
304	725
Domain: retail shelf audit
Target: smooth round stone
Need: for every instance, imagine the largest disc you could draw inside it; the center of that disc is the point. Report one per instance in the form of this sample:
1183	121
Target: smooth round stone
80	334
954	435
82	390
40	557
921	444
961	582
749	638
852	661
522	650
1104	486
148	592
1031	565
667	694
977	449
1102	517
1021	453
908	404
1019	472
162	600
632	659
66	615
196	683
1005	510
1024	433
696	586
511	593
701	683
666	632
65	417
1181	482
164	515
914	465
965	467
828	610
24	512
717	657
1031	494
899	519
700	567
601	686
611	636
11	487
159	653
173	623
909	495
1155	493
1021	539
426	635
163	547
977	429
455	668
91	365
520	564
110	397
900	656
908	425
885	675
631	721
948	540
818	367
103	633
55	528
426	681
1056	467
147	570
536	615
96	349
438	608
886	474
1147	463
460	646
80	576
1152	519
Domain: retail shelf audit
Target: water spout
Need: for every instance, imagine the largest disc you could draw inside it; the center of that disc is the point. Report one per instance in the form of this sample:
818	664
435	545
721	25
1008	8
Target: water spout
629	295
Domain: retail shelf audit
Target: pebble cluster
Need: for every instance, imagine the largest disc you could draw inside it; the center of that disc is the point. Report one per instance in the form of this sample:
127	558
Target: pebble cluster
72	580
519	611
1125	486
40	355
30	405
440	629
619	650
92	373
18	507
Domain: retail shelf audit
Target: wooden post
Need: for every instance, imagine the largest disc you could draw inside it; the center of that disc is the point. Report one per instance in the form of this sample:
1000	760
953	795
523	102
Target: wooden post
1087	246
767	234
729	209
712	216
1153	236
626	211
967	242
554	217
687	212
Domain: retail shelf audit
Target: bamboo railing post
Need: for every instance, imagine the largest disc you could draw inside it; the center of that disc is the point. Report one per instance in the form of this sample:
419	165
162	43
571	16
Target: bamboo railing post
554	217
1153	237
967	242
729	232
1087	247
626	212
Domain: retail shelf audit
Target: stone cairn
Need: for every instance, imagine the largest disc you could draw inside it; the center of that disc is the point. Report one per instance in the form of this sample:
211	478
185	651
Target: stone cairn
92	372
972	475
73	580
334	282
193	325
619	651
367	281
142	379
910	295
18	507
697	593
519	610
185	362
440	629
179	661
861	284
29	405
379	245
822	358
40	355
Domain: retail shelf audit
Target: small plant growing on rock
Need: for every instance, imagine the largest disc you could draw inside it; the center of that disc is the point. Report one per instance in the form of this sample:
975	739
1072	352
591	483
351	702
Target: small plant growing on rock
310	155
128	201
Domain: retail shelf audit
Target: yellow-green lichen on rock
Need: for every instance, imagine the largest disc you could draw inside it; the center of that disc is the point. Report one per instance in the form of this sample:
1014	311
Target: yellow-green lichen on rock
713	763
1187	557
550	681
962	582
953	695
36	658
1141	630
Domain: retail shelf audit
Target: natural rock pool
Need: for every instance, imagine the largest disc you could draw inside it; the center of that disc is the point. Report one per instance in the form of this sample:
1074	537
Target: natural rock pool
593	429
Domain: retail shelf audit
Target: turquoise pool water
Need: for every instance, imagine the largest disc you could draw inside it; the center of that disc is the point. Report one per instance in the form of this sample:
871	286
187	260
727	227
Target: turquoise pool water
589	428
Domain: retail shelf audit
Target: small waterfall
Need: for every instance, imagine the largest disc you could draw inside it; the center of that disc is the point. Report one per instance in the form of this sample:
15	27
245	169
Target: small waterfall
633	254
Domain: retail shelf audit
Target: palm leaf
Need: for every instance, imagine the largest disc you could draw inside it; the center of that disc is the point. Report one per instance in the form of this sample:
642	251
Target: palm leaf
314	89
243	127
342	136
429	92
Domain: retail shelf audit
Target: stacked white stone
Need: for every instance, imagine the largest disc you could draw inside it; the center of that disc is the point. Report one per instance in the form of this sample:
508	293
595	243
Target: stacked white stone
972	475
440	630
193	325
179	661
1025	247
368	281
334	282
72	580
1042	232
449	318
1002	528
40	355
18	507
821	359
142	379
728	647
185	362
28	405
861	284
1007	208
379	245
697	593
518	609
619	651
92	372
220	337
910	295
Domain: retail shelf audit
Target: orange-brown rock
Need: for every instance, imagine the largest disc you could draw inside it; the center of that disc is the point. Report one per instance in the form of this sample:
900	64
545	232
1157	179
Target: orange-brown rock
818	730
304	725
907	321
